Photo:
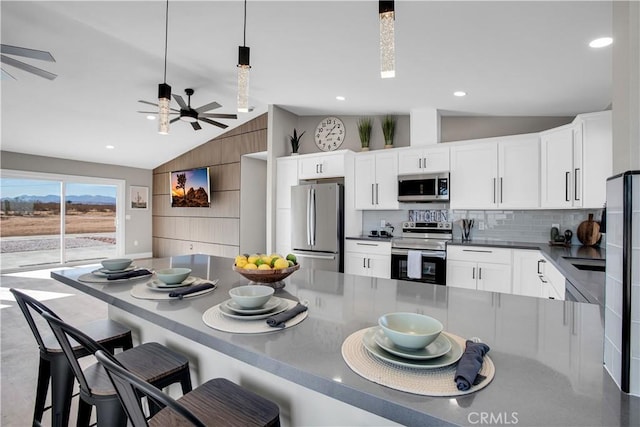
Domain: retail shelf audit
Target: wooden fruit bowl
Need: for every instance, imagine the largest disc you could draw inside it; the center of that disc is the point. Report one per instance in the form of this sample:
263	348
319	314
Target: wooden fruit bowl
266	276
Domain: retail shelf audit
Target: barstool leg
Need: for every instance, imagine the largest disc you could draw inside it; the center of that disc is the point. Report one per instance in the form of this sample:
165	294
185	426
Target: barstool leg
84	413
109	412
61	391
44	374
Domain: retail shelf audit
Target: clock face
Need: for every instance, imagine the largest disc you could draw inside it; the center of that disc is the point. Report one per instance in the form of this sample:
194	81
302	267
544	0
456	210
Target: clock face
329	134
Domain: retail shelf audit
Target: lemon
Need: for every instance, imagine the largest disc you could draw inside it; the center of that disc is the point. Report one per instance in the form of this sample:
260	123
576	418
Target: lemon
252	259
280	263
250	266
274	255
240	258
266	259
241	263
264	267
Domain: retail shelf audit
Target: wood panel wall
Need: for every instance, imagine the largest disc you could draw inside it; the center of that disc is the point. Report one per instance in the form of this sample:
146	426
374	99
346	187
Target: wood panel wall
214	230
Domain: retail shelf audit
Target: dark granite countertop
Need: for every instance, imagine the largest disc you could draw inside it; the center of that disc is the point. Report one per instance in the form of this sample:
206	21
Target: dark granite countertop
547	353
590	284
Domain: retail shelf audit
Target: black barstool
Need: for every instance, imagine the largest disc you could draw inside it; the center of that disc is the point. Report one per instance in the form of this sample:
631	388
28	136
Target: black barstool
53	366
218	402
154	362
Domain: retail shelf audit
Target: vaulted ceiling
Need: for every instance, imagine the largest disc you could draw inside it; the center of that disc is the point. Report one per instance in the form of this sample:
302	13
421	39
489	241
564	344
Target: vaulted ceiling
512	58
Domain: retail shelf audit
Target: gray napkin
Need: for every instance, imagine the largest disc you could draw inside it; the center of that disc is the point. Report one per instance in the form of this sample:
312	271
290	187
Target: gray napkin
129	274
469	365
278	320
181	293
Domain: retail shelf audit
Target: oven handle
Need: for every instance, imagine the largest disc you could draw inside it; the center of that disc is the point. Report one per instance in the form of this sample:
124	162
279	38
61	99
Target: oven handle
433	254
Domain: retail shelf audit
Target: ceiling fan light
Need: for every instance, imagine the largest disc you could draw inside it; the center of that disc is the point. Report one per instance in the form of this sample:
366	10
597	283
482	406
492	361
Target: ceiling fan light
164	99
387	39
243	79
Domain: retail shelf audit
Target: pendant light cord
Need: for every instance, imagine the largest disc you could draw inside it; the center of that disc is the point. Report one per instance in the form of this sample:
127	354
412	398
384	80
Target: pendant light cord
244	36
166	38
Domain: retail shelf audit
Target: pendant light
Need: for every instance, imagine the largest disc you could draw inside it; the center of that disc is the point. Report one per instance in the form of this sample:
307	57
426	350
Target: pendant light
387	39
164	90
243	70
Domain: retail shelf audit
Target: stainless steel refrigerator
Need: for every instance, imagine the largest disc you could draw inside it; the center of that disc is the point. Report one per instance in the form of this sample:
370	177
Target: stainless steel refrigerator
317	225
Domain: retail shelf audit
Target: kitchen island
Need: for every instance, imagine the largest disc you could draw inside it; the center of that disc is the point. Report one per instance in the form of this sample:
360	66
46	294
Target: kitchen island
547	353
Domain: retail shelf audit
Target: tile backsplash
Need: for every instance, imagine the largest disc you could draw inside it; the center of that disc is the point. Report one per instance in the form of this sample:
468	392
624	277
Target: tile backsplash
520	226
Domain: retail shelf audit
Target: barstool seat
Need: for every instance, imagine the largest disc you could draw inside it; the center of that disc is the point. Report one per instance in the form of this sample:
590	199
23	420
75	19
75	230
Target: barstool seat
154	362
53	366
217	402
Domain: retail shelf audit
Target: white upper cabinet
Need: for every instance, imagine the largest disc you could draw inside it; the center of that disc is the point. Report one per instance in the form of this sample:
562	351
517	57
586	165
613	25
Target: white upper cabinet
376	180
576	161
323	165
496	173
423	160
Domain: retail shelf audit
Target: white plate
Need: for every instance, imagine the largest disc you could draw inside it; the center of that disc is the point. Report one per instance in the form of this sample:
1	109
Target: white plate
439	347
157	285
451	357
104	272
279	309
268	306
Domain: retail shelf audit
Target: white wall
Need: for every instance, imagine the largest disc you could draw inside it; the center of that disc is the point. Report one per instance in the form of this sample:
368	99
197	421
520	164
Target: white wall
253	203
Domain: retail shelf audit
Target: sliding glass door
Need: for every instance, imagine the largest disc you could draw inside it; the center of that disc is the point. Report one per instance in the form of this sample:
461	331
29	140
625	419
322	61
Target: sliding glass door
48	220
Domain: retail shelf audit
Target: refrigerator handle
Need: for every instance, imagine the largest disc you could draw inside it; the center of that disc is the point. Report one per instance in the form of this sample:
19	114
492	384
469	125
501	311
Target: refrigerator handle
308	225
313	217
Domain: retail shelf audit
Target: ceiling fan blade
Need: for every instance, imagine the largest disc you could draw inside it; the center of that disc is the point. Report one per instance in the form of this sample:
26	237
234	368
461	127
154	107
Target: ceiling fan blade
218	116
26	53
174	120
213	122
208	107
154	112
196	126
180	102
28	68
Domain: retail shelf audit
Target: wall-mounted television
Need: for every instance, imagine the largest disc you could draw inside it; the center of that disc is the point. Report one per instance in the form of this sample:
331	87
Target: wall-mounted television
190	188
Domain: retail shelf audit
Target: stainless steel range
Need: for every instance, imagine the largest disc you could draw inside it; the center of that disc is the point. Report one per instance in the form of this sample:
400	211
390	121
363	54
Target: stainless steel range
420	254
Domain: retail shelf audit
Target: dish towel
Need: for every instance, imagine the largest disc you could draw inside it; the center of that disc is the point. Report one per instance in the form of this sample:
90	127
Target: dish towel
129	274
469	365
191	290
278	320
414	264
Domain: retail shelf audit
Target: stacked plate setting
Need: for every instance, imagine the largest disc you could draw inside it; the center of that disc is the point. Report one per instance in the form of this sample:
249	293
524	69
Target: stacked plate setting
252	302
170	279
411	340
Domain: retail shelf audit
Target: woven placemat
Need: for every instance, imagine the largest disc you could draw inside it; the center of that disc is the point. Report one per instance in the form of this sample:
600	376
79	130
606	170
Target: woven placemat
214	318
142	291
425	382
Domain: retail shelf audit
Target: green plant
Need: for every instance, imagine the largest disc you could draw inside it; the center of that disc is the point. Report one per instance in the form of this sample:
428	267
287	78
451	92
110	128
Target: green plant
364	129
295	140
388	128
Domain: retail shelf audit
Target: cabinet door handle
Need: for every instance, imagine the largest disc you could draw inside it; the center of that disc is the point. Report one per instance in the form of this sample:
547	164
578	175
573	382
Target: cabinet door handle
566	186
575	184
494	190
542	279
364	263
540	261
368	262
419	163
473	273
372	200
480	273
500	189
317	171
377	195
424	162
320	167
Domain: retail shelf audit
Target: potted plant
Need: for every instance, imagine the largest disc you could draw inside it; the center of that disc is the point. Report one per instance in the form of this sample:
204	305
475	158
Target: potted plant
364	130
388	129
295	142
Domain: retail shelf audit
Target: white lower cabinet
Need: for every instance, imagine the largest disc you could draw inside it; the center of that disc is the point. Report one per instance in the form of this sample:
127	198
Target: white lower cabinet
528	273
482	268
368	258
556	280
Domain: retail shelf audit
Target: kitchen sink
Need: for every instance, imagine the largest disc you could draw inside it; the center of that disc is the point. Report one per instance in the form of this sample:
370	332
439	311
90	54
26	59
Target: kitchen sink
587	264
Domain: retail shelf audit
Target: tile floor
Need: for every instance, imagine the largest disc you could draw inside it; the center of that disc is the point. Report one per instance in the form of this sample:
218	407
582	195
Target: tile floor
18	349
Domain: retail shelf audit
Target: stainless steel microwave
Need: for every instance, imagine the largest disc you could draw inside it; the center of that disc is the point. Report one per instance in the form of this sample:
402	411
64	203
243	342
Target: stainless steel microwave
424	187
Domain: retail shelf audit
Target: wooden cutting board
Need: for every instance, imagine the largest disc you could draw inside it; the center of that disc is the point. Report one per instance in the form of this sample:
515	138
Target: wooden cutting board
588	232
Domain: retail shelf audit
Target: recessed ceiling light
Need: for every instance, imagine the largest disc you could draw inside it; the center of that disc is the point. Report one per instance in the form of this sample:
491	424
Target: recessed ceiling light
109	147
459	93
340	98
151	117
601	42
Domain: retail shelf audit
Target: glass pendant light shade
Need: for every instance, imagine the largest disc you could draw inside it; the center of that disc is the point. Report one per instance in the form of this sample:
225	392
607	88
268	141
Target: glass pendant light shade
164	99
387	39
243	79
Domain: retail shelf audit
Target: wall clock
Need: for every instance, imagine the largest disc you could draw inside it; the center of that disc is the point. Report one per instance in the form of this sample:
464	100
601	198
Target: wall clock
329	134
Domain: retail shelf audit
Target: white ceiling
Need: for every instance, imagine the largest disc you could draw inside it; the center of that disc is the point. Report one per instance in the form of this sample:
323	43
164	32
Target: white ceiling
512	58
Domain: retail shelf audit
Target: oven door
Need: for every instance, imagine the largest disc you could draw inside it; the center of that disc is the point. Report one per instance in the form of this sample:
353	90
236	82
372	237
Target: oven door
433	266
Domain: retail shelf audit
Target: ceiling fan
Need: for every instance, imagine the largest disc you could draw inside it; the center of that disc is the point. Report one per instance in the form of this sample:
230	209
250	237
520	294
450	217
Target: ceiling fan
24	52
192	115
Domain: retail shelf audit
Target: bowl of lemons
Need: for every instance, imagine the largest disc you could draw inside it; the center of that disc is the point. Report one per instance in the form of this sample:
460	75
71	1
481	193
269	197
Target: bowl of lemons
262	268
